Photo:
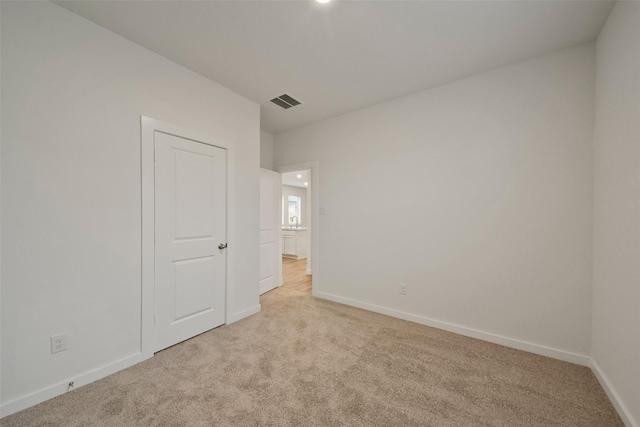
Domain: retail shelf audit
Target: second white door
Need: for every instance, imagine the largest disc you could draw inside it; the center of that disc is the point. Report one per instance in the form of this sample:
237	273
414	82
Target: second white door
190	222
270	259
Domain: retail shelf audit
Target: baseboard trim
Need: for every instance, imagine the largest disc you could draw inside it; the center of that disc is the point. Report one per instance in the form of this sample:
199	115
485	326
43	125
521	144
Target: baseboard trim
59	388
622	409
308	271
245	313
50	392
554	353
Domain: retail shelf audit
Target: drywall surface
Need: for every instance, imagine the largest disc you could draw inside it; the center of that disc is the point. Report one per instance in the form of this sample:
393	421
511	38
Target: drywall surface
72	97
266	150
616	215
0	221
476	194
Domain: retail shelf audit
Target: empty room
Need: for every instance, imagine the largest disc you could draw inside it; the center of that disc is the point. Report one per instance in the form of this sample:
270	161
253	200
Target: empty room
320	212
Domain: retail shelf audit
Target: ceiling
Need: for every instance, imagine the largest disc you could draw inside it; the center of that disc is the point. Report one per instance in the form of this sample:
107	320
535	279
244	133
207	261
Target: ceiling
344	55
291	178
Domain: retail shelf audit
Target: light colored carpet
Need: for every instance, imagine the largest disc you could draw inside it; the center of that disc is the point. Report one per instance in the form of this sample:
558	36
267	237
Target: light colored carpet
309	362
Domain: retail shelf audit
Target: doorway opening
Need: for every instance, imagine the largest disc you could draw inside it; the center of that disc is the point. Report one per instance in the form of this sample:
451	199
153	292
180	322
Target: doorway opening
296	220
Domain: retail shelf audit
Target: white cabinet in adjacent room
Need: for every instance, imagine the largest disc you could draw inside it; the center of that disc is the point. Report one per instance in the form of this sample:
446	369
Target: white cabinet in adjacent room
295	241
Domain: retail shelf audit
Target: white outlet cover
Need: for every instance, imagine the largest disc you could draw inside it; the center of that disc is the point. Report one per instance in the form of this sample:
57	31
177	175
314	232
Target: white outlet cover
58	343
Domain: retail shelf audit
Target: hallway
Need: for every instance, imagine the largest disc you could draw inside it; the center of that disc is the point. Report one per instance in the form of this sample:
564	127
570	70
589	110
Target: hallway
294	276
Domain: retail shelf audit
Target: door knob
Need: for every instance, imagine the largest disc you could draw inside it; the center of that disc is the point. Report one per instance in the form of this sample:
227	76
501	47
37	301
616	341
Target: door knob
222	246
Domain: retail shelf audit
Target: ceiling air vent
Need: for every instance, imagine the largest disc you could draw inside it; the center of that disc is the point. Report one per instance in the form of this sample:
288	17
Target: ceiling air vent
285	101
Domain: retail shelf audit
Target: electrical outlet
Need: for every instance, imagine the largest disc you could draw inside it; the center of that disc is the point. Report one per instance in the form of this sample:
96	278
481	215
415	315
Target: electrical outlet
58	343
403	289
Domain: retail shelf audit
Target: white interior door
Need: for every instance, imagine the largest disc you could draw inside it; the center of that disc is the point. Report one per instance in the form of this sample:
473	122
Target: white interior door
190	223
270	258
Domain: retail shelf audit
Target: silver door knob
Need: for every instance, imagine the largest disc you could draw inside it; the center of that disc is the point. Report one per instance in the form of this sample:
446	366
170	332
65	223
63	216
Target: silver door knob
222	246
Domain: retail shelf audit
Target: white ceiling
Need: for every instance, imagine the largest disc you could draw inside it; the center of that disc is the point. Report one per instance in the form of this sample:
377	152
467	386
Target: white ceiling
344	55
291	178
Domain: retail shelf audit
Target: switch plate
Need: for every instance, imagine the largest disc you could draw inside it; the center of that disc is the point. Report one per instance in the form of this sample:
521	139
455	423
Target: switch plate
403	289
58	343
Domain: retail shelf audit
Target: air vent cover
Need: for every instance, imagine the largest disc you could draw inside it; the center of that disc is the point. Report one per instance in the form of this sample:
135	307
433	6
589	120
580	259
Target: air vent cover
285	101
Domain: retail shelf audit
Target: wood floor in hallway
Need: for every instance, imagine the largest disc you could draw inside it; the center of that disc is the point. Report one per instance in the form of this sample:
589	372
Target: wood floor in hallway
294	275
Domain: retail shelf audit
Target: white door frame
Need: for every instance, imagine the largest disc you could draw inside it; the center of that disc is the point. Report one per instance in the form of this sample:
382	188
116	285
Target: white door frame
314	167
148	128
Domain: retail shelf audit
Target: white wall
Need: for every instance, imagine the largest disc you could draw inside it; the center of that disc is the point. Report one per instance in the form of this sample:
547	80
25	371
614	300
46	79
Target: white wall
477	194
0	219
266	150
288	190
616	217
72	97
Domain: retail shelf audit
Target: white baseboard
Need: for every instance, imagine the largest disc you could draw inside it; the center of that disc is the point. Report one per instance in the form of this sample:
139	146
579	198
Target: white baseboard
244	313
62	387
308	271
50	392
554	353
622	409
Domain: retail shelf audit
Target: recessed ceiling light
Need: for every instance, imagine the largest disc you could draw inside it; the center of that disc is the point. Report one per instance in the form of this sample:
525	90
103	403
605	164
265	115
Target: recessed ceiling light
298	176
323	1
306	183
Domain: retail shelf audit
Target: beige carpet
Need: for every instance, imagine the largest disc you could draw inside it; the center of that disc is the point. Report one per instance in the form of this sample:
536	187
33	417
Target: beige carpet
309	362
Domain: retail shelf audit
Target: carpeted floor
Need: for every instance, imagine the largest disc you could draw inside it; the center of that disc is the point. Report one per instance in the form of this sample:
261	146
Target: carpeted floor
309	362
